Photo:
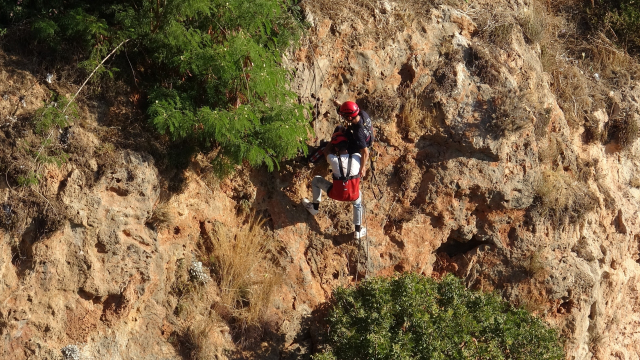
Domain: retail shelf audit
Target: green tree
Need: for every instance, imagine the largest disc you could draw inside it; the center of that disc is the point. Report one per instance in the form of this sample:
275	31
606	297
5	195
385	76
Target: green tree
618	19
211	68
414	317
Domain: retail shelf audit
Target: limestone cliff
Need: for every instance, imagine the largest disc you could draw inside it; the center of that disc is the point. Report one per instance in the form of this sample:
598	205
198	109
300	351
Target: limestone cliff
481	172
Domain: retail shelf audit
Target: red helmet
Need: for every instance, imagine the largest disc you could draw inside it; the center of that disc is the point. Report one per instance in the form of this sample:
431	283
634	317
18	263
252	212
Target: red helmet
349	109
337	138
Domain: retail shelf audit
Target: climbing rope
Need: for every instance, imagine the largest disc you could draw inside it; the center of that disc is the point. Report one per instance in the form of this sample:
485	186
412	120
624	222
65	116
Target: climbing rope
364	246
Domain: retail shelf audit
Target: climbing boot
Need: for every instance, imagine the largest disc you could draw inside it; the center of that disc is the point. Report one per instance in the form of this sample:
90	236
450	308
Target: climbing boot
309	206
360	234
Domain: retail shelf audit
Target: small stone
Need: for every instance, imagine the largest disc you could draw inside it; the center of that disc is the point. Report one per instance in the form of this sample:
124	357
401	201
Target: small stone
71	352
197	273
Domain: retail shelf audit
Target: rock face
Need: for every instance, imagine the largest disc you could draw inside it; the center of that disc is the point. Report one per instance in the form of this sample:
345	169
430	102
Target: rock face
479	174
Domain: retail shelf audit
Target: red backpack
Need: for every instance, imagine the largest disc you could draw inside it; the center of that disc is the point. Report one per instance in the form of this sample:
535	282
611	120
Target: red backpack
345	188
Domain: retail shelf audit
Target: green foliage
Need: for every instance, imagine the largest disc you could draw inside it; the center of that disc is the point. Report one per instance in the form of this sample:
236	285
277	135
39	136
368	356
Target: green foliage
50	154
46	151
211	68
32	178
57	112
622	20
414	317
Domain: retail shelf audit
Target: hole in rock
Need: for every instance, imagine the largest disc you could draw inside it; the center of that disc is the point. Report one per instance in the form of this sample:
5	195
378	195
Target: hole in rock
111	306
101	248
85	295
119	191
593	311
513	235
453	247
407	74
565	307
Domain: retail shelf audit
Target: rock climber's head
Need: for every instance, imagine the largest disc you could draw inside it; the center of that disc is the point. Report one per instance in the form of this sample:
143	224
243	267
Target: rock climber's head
349	111
340	142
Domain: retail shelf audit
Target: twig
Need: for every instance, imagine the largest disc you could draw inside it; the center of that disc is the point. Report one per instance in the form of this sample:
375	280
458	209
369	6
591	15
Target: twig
246	82
135	81
93	72
203	183
388	213
7	181
47	200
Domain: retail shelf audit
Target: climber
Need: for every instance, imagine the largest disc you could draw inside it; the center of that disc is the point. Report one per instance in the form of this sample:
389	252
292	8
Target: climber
359	131
346	181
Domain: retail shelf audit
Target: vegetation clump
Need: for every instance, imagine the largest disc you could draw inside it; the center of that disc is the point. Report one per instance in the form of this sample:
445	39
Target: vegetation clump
562	199
621	21
211	68
414	317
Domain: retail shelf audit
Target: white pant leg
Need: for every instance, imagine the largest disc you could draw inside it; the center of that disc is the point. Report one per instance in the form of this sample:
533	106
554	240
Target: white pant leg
357	210
317	185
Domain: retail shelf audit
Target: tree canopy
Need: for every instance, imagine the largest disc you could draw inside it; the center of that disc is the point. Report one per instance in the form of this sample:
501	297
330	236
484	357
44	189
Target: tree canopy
212	69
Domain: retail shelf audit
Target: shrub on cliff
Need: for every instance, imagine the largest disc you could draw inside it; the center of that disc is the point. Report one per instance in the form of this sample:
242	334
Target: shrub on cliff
620	20
211	68
414	317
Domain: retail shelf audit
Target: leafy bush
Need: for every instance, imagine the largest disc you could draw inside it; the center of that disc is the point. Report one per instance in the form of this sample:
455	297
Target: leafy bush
211	68
58	112
414	317
622	18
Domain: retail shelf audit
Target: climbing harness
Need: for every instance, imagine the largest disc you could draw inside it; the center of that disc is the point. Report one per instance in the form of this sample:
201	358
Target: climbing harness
345	188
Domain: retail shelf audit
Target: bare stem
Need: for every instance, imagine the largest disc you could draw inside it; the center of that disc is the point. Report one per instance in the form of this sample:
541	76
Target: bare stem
94	71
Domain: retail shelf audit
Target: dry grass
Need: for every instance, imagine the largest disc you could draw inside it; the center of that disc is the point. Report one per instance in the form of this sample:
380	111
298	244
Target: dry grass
511	115
501	34
610	61
574	93
586	170
533	22
244	267
623	131
416	120
200	339
553	153
483	64
584	67
162	217
561	199
200	335
194	299
543	118
536	264
549	56
592	131
494	26
382	107
534	302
